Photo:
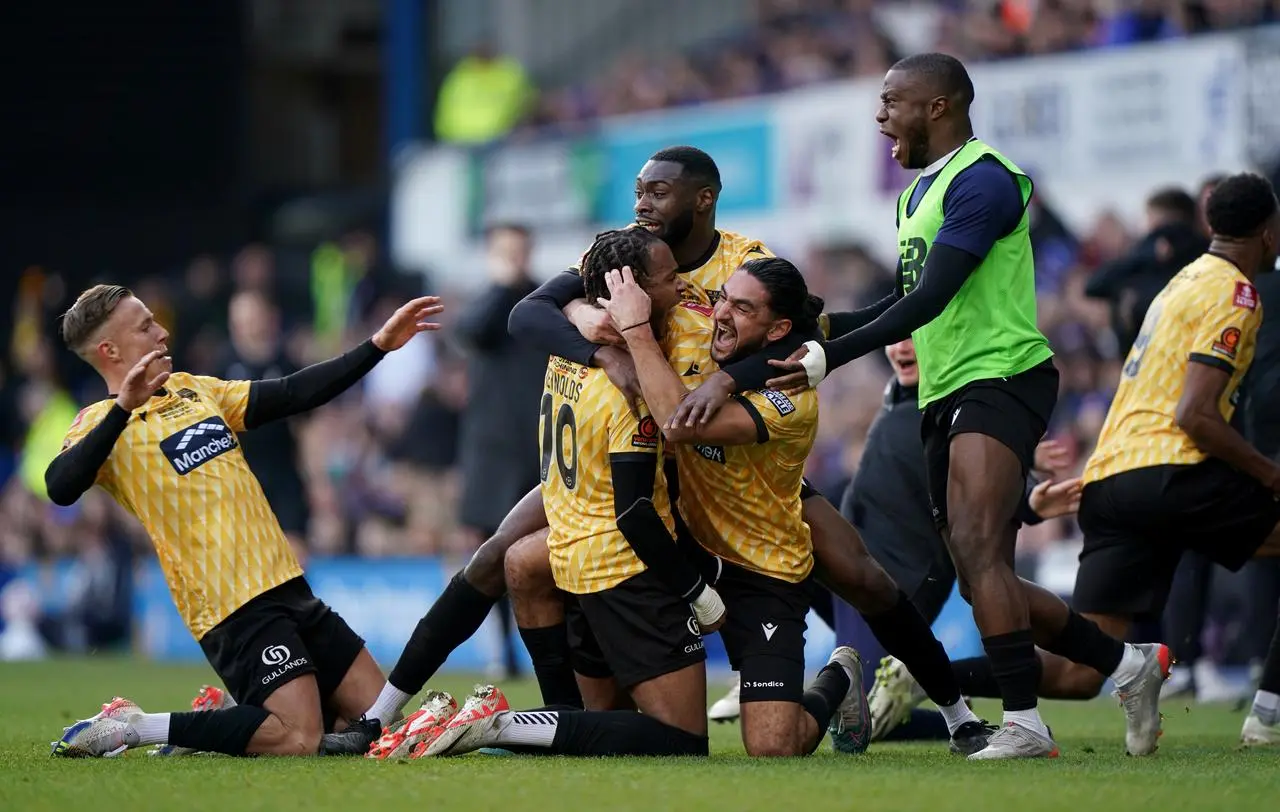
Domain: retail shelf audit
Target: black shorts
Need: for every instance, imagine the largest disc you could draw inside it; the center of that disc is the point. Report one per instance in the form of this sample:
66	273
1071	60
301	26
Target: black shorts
275	638
634	632
1137	525
1014	411
763	633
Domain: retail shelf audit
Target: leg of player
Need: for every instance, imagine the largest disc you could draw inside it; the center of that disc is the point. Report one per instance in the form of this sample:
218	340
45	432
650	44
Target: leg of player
460	610
844	565
773	727
289	725
984	487
1262	725
355	700
540	615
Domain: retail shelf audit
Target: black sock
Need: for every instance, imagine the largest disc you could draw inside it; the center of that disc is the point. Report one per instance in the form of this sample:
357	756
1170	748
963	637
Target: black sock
825	695
457	614
508	625
1016	668
622	733
975	678
1271	666
905	634
1081	641
549	649
226	731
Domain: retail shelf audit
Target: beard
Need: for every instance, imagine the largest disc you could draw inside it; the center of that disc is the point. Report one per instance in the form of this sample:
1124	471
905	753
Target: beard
678	229
917	149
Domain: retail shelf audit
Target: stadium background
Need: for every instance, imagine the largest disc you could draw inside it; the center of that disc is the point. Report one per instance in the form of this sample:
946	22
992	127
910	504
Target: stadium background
304	149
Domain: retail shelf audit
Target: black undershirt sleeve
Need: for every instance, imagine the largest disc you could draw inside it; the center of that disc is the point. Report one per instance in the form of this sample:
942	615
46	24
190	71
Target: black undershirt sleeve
634	477
1025	514
944	273
844	323
539	320
316	385
74	470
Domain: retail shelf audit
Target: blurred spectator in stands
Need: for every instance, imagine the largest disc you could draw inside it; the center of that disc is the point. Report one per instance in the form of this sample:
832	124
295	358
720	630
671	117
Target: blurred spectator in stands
200	316
499	434
1131	282
482	98
1053	244
98	607
256	352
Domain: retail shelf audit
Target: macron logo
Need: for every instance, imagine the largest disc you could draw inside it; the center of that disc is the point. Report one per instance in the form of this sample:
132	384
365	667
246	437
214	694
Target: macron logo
769	629
195	445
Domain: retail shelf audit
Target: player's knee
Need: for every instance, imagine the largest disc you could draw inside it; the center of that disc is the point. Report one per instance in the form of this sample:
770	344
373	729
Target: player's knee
486	571
975	553
527	568
773	748
292	737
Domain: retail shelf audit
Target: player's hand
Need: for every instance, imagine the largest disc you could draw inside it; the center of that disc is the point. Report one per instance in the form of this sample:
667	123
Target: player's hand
407	322
148	375
595	325
700	405
800	375
621	369
1052	456
628	305
1052	499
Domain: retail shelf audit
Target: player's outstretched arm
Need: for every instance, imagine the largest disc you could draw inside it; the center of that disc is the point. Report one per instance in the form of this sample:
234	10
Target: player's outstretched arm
316	385
540	321
75	469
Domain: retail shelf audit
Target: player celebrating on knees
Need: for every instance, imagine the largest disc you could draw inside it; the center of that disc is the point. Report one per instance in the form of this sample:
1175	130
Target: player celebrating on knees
988	386
740	481
632	635
164	447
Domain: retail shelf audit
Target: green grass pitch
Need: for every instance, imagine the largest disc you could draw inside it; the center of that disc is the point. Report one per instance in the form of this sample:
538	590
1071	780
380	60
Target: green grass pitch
1199	766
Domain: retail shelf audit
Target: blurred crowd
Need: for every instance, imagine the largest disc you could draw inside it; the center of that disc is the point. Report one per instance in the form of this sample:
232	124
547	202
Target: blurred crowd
798	42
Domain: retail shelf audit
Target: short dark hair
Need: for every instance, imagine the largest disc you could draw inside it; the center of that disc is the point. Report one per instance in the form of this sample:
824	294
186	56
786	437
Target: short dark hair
90	311
946	74
1241	205
503	225
1174	200
612	250
789	295
699	167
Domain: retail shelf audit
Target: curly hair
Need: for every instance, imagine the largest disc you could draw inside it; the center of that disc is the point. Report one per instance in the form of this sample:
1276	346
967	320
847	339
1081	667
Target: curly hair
1240	205
612	250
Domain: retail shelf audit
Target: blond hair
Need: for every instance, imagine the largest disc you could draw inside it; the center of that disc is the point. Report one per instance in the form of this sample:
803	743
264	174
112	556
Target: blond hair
91	310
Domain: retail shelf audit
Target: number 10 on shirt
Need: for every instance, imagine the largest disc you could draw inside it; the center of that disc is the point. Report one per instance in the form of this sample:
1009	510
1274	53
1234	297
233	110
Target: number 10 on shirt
555	429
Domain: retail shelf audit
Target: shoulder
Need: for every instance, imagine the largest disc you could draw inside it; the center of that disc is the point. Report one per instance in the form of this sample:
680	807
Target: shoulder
985	180
690	318
776	404
90	415
741	248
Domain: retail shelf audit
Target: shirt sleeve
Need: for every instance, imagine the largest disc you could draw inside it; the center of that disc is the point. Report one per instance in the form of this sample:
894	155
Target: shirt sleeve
982	204
779	417
1231	316
230	397
629	437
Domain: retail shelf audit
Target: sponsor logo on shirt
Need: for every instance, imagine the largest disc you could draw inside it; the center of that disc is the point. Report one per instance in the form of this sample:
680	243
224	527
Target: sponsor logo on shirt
195	445
646	435
1246	296
780	401
714	453
1228	342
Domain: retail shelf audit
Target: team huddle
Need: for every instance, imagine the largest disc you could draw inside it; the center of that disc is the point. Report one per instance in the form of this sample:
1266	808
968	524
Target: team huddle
678	413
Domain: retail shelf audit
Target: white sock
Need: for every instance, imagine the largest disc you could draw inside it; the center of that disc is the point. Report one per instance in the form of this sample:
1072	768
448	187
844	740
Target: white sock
1265	705
152	728
956	715
1030	719
532	728
1130	666
389	704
